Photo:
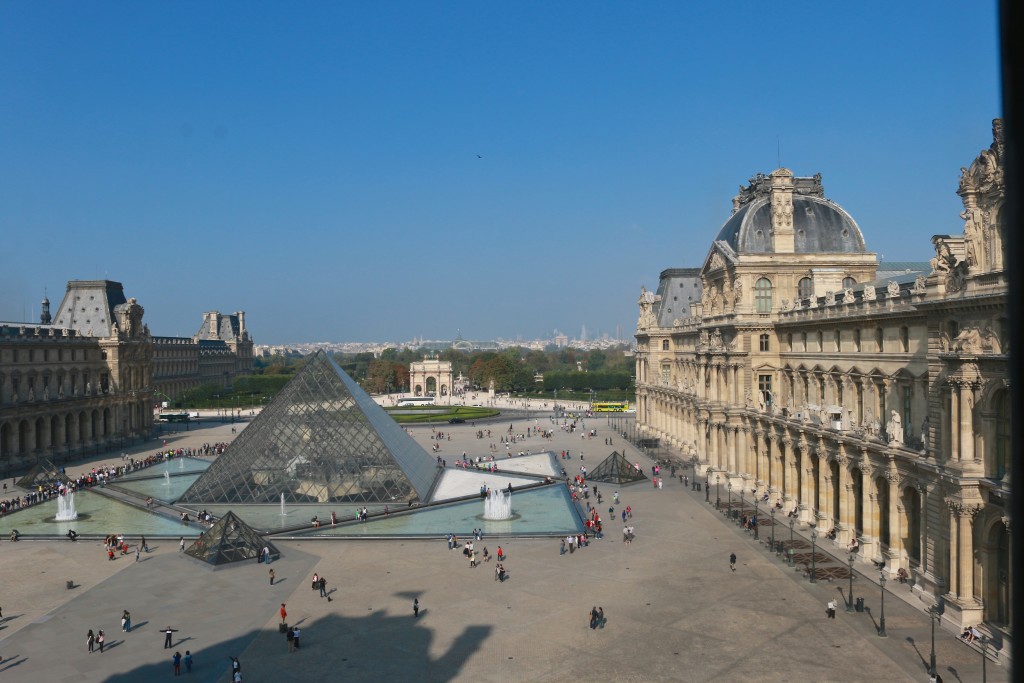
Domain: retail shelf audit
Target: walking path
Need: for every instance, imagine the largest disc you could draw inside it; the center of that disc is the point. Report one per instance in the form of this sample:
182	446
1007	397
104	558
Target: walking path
675	611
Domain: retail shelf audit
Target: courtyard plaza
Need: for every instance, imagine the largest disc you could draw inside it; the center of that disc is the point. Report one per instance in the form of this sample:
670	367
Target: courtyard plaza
674	610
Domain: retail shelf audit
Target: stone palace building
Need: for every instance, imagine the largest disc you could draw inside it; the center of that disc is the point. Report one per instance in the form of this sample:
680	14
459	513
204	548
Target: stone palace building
875	404
87	379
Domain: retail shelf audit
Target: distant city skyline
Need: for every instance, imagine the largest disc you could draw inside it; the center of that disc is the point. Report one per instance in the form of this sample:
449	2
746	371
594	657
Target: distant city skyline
362	171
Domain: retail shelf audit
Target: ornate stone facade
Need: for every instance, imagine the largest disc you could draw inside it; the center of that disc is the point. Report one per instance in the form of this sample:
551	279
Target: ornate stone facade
878	408
87	381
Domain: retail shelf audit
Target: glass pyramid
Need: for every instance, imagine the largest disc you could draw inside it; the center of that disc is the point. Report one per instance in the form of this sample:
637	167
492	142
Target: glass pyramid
322	439
229	540
44	472
615	469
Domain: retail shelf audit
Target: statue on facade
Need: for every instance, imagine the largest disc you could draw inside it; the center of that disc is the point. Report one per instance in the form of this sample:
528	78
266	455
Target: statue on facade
737	292
924	433
893	290
869	293
646	303
895	428
31	393
46	392
830	298
748	400
716	340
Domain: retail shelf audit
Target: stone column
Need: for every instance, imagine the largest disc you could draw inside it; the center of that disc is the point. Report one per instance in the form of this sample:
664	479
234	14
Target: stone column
846	512
827	484
954	423
968	513
966	422
955	509
895	518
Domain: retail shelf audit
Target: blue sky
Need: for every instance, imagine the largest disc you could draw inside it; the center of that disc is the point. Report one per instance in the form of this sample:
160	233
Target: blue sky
316	164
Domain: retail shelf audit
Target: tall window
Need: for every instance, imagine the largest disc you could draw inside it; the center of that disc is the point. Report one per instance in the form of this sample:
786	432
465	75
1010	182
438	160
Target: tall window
763	343
837	344
764	385
1002	463
763	295
879	340
905	339
821	342
856	341
805	288
849	282
664	344
666	373
789	341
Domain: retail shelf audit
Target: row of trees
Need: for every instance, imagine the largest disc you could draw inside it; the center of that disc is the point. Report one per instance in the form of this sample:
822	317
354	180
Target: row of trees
513	369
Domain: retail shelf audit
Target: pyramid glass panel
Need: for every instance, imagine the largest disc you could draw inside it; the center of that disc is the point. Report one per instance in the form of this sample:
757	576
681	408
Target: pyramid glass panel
322	439
44	472
616	469
229	540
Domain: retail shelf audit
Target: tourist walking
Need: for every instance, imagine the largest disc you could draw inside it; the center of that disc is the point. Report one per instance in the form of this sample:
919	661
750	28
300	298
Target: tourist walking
91	640
188	662
167	636
100	639
296	632
272	577
289	636
126	622
415	607
830	609
593	617
176	661
181	544
732	561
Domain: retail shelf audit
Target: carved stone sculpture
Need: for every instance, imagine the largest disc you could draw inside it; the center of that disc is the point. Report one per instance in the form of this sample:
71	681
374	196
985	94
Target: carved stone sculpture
869	293
893	290
895	428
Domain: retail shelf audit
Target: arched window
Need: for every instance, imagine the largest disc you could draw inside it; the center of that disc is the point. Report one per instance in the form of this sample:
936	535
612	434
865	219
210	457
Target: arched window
1002	463
849	282
763	295
805	288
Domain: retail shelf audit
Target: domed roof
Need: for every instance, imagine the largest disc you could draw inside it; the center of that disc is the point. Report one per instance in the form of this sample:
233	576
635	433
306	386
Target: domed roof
819	225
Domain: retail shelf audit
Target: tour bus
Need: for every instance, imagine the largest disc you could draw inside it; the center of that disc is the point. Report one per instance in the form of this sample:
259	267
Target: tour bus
415	401
610	407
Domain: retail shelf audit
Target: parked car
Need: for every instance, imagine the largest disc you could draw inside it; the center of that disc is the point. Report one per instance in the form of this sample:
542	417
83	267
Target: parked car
456	421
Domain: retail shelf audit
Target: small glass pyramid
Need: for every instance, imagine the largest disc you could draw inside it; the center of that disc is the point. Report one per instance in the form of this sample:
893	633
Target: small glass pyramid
43	472
229	540
615	469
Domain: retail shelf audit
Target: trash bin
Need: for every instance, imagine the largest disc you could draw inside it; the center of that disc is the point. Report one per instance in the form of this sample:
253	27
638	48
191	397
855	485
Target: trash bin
859	605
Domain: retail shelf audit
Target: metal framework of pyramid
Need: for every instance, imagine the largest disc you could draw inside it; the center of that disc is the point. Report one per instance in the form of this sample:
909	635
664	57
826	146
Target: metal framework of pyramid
44	472
615	469
229	540
322	439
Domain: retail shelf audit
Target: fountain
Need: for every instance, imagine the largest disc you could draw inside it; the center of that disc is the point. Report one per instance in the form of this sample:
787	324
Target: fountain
498	505
283	513
66	508
167	478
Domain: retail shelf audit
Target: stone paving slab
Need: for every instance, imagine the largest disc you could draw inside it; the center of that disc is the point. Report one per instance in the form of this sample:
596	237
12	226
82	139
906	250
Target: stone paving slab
675	611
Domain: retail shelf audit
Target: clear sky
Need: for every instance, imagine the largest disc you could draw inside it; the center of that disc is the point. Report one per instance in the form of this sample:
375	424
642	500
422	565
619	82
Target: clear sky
383	170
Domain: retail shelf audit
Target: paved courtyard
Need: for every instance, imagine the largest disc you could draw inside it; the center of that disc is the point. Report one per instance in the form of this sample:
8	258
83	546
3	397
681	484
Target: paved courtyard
675	611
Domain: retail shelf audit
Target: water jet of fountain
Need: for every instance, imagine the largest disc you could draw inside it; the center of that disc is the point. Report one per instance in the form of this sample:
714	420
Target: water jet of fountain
167	478
66	511
282	505
498	505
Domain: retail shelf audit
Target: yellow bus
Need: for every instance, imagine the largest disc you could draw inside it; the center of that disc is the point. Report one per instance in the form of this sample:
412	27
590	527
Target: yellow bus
610	407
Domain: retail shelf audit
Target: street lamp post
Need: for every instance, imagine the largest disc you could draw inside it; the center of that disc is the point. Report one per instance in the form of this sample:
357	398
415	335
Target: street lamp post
773	529
849	603
718	492
984	658
757	525
707	487
935	615
881	619
792	523
814	569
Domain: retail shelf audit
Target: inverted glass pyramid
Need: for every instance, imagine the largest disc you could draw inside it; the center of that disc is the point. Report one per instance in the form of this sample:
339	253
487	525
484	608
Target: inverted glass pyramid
322	439
229	540
615	469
